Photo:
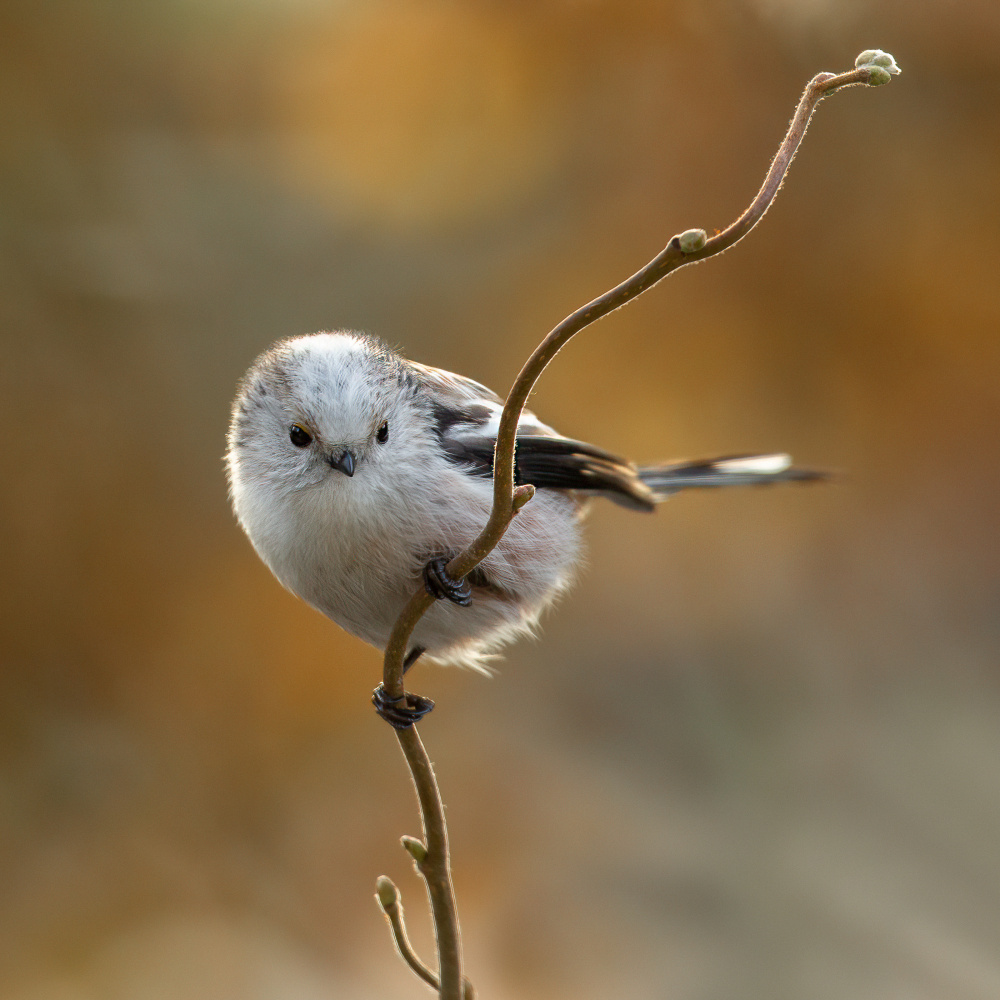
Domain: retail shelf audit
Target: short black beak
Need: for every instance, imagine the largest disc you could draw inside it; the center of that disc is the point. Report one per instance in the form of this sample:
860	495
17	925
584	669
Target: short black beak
345	463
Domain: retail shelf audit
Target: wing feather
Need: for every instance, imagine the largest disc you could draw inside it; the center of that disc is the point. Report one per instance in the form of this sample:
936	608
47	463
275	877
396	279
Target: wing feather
466	419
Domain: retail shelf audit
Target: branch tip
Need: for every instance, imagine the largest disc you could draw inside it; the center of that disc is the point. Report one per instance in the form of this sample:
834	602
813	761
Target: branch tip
877	76
386	893
388	897
881	66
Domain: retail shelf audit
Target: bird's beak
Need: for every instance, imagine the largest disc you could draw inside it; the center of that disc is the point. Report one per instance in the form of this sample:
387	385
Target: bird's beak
344	464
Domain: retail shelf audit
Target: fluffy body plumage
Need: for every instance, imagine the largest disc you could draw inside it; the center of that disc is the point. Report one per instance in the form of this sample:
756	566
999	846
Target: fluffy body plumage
351	467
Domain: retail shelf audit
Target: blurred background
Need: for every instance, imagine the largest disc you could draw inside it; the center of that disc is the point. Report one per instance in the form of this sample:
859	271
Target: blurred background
757	751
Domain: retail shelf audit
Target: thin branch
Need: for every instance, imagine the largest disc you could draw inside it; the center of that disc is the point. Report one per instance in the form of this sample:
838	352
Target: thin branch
392	906
388	898
435	866
873	69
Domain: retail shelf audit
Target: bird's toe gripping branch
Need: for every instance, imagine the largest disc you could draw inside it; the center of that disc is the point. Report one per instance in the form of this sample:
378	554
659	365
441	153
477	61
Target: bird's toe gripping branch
440	585
402	712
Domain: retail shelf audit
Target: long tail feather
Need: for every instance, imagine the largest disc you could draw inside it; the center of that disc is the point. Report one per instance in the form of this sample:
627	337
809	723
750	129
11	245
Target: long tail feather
734	470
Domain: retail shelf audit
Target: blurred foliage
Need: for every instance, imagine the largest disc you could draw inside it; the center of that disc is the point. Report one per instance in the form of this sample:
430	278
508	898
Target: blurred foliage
755	753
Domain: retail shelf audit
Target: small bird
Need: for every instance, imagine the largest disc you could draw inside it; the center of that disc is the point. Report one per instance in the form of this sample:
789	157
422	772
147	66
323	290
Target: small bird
357	475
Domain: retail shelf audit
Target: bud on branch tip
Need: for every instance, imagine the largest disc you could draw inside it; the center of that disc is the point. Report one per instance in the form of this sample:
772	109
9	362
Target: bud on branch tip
881	65
386	893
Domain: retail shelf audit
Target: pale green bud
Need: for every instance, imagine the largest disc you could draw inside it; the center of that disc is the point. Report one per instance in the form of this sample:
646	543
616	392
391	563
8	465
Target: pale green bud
692	240
876	58
386	892
415	848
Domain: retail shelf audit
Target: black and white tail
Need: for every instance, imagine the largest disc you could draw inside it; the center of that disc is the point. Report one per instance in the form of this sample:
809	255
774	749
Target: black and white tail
549	461
733	470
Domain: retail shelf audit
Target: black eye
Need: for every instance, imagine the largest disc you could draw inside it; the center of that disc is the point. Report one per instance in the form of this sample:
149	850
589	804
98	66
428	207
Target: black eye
299	436
382	434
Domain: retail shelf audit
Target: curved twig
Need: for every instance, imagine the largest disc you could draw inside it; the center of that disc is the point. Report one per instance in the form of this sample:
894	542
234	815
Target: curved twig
388	898
873	68
392	906
687	248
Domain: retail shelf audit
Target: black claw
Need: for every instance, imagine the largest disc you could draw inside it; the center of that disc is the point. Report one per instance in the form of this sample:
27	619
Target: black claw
440	585
400	713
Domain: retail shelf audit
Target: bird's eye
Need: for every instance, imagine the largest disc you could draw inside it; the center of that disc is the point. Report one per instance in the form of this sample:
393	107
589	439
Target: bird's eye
299	436
382	434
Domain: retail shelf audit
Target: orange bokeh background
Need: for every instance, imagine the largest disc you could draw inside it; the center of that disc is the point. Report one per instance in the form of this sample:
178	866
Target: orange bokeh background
755	751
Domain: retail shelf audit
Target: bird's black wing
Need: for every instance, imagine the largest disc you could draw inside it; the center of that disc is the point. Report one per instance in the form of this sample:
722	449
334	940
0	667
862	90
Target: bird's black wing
466	418
551	462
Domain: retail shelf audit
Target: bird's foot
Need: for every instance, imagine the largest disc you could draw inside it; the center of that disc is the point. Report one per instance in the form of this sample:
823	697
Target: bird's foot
400	713
440	585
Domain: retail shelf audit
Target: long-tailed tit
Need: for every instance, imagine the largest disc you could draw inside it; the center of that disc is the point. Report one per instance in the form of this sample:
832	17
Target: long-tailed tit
356	474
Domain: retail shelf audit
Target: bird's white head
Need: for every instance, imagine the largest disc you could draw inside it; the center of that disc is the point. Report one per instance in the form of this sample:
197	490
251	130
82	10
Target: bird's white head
321	411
